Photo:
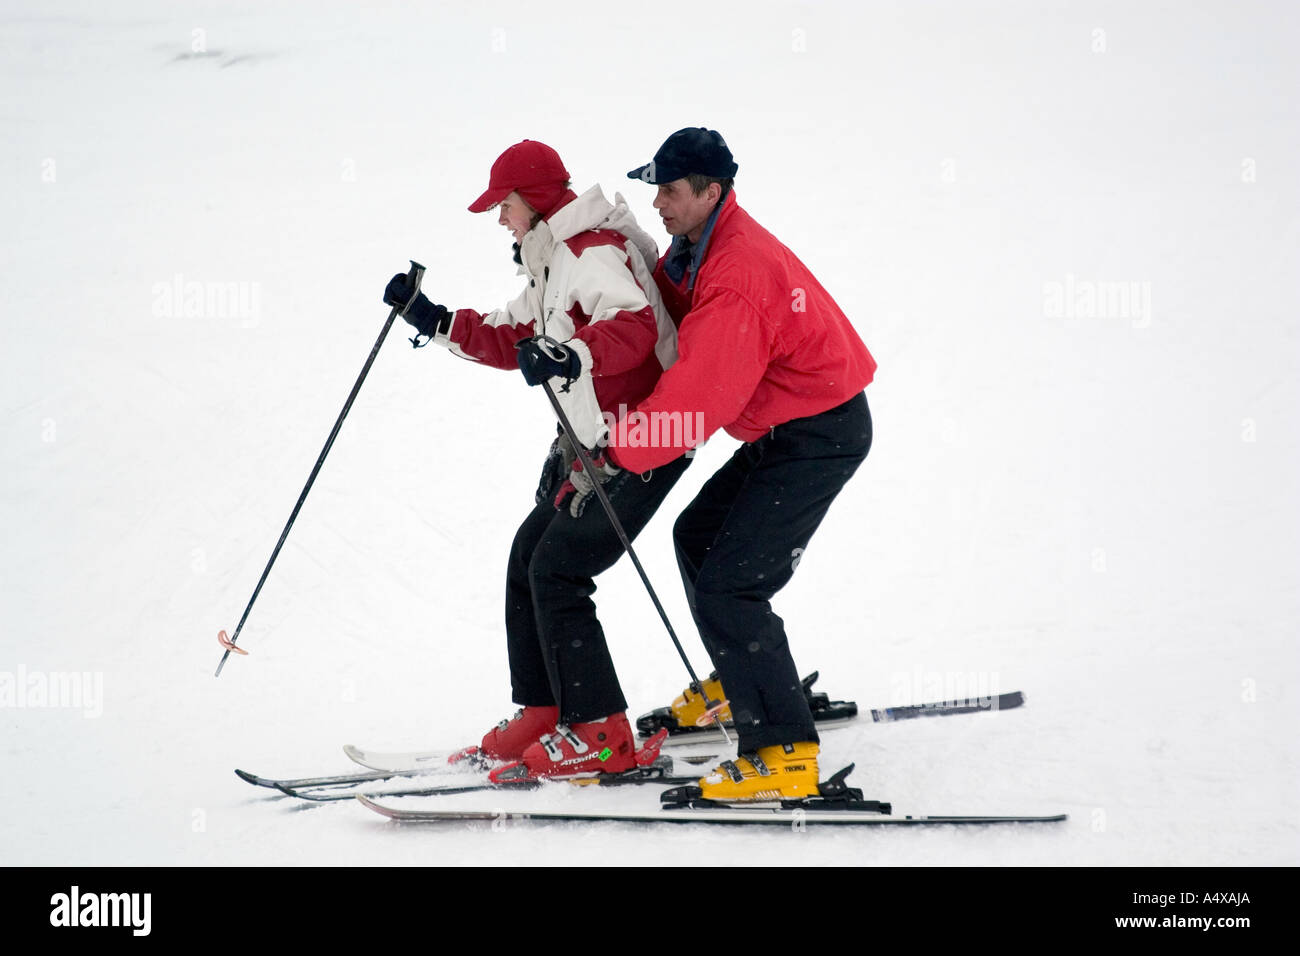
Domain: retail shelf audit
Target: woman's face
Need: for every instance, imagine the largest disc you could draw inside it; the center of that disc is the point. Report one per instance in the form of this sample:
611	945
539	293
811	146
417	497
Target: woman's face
516	215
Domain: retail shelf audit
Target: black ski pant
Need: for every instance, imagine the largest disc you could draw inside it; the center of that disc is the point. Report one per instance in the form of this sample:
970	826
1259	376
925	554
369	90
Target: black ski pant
558	654
739	542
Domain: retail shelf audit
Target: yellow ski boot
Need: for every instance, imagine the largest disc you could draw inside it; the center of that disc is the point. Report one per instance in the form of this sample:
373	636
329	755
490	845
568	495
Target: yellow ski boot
780	772
683	715
681	718
689	707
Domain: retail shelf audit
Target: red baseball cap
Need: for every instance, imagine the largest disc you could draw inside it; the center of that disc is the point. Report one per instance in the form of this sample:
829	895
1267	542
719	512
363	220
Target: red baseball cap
530	168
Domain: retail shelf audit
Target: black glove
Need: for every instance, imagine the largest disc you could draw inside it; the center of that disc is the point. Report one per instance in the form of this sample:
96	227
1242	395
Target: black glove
538	361
423	314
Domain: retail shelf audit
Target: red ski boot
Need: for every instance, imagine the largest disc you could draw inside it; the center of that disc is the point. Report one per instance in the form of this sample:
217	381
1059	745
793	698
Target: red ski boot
601	746
509	739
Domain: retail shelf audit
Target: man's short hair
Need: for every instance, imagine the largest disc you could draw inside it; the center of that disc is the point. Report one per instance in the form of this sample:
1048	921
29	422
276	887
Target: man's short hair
699	183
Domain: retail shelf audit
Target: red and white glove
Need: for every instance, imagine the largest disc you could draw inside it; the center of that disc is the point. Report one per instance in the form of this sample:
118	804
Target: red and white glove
579	483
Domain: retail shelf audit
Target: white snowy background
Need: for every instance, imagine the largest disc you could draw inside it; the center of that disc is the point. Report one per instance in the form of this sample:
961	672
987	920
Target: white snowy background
1093	505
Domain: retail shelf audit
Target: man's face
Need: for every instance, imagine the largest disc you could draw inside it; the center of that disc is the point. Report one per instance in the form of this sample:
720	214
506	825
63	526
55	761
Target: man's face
516	215
683	212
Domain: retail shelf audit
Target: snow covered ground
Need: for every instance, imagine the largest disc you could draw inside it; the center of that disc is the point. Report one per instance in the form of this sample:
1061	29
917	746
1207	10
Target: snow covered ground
1067	231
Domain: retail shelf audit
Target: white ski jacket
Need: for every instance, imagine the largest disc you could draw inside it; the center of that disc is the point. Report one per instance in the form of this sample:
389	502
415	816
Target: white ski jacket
589	270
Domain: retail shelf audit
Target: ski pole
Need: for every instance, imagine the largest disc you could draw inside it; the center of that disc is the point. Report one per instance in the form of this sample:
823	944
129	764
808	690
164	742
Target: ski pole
712	707
413	279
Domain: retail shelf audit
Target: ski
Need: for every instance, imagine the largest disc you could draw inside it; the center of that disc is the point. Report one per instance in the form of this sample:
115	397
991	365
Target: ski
793	817
470	765
659	772
335	780
401	761
827	713
836	714
836	803
944	708
418	761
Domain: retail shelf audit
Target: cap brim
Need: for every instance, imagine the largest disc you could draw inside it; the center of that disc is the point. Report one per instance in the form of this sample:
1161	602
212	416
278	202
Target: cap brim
652	174
489	199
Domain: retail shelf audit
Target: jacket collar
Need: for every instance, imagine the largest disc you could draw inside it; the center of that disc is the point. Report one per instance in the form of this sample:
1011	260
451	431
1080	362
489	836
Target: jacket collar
574	215
685	257
535	250
579	214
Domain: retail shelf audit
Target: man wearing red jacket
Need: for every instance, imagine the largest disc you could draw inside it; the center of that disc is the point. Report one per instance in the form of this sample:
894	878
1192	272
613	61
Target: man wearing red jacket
765	354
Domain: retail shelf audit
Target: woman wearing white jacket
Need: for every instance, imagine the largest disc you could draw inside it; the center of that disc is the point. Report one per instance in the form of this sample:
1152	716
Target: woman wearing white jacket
588	269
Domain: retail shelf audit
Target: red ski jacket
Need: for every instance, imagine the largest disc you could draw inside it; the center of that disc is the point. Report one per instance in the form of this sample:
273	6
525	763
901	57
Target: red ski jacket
759	343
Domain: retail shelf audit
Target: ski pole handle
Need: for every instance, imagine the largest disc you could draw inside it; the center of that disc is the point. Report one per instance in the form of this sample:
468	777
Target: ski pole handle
413	280
552	348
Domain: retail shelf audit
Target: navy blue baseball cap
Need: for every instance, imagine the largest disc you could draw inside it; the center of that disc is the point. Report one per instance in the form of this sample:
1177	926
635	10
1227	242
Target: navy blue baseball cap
691	150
